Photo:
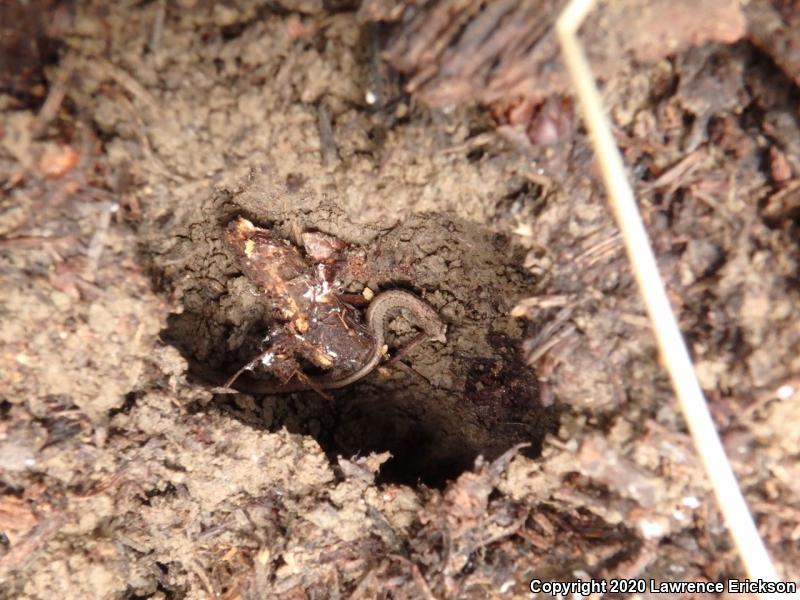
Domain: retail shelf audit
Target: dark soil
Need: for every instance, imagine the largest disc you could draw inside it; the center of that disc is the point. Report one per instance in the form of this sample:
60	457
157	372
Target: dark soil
541	440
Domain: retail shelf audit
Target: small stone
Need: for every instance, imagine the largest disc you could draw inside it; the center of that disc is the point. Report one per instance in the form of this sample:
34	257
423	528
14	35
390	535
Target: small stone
704	257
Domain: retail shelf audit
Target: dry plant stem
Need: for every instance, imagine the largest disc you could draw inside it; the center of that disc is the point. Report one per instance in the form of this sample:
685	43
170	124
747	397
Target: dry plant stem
56	95
670	341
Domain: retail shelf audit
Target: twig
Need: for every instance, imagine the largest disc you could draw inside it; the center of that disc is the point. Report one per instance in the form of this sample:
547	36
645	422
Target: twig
328	151
21	551
108	70
98	241
56	95
416	575
156	33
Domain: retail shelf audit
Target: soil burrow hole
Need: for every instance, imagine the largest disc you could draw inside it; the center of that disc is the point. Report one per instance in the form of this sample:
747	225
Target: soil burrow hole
277	283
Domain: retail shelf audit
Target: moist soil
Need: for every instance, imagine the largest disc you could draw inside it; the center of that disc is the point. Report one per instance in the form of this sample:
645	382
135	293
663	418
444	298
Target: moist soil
542	439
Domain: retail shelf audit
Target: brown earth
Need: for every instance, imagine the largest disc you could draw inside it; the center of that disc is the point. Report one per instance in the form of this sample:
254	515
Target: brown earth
541	440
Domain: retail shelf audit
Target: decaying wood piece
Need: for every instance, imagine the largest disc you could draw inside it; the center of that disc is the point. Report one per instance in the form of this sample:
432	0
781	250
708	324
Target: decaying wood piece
459	51
466	51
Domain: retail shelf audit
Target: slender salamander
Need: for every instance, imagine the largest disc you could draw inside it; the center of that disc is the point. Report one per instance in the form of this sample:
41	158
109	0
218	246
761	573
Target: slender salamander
380	309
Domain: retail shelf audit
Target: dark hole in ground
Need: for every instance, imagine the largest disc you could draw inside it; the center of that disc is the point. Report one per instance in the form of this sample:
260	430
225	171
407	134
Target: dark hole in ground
436	410
430	440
